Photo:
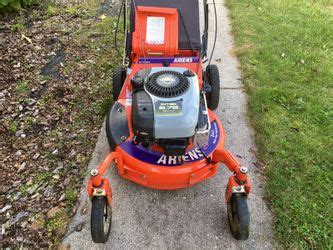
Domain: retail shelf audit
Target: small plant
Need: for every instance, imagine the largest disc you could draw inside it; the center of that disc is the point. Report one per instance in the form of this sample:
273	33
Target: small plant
16	5
43	176
71	195
22	87
8	123
17	27
57	224
102	106
51	10
23	189
74	10
13	127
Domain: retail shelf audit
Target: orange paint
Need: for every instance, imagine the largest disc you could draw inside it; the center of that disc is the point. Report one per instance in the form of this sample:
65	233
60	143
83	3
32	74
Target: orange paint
155	176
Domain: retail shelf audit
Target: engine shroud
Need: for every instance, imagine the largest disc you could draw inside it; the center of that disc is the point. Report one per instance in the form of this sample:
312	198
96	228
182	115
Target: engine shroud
167	84
175	100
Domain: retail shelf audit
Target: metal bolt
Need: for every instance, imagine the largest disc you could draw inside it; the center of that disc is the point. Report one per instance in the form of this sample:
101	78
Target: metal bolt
123	138
94	172
243	170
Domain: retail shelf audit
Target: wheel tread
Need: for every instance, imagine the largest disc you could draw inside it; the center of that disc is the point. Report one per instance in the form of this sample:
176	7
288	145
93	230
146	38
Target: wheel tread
213	97
97	220
241	232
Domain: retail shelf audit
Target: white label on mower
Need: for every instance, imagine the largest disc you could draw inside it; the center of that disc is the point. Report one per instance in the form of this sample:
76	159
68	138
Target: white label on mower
128	102
191	155
169	108
128	98
155	30
183	60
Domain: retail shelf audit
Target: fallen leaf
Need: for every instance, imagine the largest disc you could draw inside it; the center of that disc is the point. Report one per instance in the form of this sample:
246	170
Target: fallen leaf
102	17
26	38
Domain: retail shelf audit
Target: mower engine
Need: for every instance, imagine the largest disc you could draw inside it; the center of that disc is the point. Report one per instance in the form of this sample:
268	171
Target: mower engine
168	109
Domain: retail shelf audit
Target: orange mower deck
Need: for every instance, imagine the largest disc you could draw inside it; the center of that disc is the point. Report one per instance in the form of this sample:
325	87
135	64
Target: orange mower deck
166	160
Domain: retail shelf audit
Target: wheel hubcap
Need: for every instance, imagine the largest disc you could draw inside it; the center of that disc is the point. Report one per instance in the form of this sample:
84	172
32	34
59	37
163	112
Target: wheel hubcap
107	218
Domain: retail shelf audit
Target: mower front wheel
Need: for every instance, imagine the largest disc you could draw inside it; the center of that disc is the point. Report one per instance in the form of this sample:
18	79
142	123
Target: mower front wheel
101	218
239	216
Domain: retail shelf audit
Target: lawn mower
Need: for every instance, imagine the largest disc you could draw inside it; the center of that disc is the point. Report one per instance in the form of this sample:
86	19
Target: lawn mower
162	130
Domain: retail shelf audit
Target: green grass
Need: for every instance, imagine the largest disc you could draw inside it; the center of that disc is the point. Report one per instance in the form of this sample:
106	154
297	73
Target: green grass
71	195
286	53
22	87
56	225
17	27
101	33
51	10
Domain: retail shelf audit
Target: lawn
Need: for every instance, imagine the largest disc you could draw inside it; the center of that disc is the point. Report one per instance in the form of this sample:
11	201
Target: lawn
286	53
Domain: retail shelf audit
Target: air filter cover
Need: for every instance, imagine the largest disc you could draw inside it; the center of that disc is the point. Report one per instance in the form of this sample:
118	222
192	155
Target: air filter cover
167	84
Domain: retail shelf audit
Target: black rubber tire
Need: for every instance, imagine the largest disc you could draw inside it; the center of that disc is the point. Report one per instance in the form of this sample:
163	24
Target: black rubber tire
118	79
99	233
213	79
239	216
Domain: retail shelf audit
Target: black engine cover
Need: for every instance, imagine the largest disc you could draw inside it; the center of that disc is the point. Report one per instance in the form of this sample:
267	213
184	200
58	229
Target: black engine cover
142	114
174	147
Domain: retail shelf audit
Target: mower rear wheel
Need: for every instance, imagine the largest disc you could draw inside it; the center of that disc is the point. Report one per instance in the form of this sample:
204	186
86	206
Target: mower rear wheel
239	216
119	75
101	217
213	79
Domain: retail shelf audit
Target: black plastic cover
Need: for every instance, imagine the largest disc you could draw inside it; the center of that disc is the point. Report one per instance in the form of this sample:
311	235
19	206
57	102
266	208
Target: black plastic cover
203	119
142	114
116	125
167	90
189	10
175	147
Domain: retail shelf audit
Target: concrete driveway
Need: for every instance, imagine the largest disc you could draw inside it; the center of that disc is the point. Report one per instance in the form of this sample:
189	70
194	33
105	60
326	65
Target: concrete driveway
194	218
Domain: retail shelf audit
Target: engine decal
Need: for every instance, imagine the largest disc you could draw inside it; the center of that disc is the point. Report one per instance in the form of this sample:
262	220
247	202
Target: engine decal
157	158
169	108
168	60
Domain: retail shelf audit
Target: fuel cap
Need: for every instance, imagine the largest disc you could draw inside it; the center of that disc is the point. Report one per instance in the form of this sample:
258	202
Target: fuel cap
188	73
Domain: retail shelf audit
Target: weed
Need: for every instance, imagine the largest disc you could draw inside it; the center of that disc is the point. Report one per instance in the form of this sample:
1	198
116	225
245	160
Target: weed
17	27
104	105
30	120
23	189
71	195
51	10
43	176
57	224
50	156
22	87
13	126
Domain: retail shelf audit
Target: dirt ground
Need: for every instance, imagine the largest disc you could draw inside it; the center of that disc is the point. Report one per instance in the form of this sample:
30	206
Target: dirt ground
55	64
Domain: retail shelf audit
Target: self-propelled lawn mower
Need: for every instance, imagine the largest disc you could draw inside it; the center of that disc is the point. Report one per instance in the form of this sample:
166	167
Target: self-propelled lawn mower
161	129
